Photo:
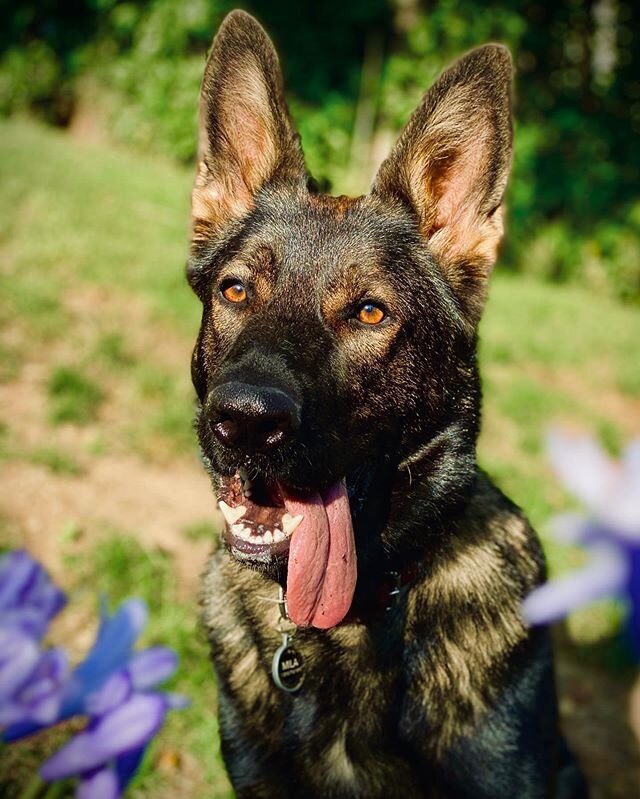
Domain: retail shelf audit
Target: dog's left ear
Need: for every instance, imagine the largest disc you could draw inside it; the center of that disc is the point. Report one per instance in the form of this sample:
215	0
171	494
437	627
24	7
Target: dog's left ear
451	166
246	137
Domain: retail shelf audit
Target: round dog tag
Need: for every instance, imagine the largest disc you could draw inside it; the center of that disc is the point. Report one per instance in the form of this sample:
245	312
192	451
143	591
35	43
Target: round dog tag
287	668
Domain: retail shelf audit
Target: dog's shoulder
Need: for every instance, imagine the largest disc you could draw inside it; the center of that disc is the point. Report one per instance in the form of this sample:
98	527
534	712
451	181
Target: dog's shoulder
463	624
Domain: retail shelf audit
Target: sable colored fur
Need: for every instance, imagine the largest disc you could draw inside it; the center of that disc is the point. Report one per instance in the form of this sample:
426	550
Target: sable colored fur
446	695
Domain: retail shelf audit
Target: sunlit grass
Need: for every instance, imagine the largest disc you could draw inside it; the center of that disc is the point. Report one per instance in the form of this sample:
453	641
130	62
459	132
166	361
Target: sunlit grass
73	396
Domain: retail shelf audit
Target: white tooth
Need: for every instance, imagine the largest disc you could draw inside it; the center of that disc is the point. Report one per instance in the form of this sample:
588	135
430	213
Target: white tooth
257	539
278	535
289	523
241	531
230	514
268	537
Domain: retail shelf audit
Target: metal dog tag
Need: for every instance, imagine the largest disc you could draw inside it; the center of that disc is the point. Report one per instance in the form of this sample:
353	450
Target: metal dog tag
287	667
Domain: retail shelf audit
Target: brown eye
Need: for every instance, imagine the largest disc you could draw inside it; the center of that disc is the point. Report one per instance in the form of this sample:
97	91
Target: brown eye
370	314
233	291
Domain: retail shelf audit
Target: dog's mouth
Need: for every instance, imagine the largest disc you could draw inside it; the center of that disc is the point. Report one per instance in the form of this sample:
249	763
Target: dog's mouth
313	531
257	522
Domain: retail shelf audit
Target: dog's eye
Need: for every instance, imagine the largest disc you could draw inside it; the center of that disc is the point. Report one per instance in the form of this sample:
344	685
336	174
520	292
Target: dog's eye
370	314
233	290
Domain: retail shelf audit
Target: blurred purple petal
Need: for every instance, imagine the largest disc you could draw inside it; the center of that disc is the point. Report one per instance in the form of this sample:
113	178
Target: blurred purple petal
570	528
176	701
623	510
127	765
117	634
28	598
19	655
17	572
116	690
127	728
38	699
606	574
100	784
152	666
583	468
112	651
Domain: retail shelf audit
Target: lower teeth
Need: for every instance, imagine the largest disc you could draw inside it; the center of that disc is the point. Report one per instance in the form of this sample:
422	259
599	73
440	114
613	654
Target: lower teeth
246	534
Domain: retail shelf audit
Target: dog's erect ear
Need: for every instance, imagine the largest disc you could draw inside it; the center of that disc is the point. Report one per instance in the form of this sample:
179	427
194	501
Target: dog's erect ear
451	166
246	138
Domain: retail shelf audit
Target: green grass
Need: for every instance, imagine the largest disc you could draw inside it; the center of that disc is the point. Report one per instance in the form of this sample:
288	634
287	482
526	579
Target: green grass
72	212
56	460
74	397
552	355
97	223
113	350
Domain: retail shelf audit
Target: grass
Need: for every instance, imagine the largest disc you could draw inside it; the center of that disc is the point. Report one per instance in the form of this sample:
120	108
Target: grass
56	460
90	232
74	397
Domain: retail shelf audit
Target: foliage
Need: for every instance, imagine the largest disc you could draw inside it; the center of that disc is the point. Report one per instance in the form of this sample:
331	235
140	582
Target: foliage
355	71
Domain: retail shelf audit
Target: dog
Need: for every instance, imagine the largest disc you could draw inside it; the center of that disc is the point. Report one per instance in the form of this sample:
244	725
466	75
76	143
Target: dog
363	608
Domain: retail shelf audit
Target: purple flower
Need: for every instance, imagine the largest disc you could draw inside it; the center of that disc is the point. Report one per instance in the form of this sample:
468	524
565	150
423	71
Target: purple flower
112	651
611	533
112	686
123	720
124	730
36	680
31	681
28	598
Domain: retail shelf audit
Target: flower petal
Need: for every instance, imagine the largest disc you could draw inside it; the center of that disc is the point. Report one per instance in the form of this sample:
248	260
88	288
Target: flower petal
111	652
570	528
127	728
176	701
17	571
606	574
152	666
623	510
583	467
116	690
127	765
100	784
19	656
26	588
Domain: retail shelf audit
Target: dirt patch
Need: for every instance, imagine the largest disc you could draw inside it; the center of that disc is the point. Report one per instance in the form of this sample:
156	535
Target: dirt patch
123	493
116	489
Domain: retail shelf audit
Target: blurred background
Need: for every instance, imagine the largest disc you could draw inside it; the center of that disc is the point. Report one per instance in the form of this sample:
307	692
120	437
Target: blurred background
98	463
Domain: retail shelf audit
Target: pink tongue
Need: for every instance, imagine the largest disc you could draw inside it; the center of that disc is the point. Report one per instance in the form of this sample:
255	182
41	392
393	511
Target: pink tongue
322	558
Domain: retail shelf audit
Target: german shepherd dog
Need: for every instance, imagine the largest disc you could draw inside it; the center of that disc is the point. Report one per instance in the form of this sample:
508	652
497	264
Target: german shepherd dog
339	402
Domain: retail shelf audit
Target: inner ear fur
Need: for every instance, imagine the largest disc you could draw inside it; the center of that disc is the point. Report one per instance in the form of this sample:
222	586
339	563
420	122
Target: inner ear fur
451	165
246	137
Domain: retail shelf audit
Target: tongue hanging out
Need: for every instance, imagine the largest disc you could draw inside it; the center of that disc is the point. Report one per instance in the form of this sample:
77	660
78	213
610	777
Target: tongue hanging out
322	558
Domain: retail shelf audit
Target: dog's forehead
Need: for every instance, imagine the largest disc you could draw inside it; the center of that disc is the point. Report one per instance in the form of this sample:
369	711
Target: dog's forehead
322	232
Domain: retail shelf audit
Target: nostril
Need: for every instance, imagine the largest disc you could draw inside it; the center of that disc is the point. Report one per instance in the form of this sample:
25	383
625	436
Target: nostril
225	429
251	417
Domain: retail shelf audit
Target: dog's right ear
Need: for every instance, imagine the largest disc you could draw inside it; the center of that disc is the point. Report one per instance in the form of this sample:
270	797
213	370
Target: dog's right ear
246	138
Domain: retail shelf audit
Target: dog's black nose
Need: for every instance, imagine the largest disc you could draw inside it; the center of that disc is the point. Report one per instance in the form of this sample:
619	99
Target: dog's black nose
252	417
